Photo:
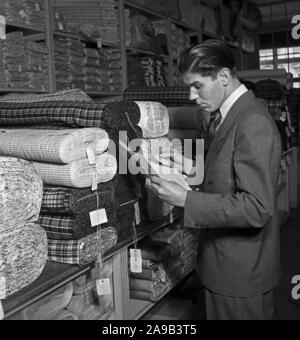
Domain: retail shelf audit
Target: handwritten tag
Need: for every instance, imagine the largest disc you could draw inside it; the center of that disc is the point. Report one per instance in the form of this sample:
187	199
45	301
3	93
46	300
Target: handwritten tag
136	261
137	213
2	27
60	26
37	7
99	43
91	156
22	14
103	287
1	311
98	217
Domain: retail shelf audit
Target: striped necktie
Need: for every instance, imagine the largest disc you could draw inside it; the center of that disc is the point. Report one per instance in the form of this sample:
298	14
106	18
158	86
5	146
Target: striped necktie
215	121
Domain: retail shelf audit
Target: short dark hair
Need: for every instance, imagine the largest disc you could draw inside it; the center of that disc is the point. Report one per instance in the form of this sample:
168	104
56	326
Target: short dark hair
207	59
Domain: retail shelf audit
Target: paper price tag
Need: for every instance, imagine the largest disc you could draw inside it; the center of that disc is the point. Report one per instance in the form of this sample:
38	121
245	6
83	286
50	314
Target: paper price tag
103	287
22	14
137	213
99	43
37	7
171	218
2	288
60	26
136	261
98	217
91	156
2	27
1	311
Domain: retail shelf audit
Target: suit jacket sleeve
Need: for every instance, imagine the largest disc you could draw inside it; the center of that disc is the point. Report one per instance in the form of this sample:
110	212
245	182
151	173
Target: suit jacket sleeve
252	200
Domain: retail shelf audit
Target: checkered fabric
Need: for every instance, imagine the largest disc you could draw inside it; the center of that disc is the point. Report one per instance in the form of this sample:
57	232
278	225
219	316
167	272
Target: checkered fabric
108	116
84	251
169	96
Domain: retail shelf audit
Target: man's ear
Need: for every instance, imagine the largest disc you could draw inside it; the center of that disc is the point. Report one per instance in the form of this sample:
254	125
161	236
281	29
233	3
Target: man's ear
224	76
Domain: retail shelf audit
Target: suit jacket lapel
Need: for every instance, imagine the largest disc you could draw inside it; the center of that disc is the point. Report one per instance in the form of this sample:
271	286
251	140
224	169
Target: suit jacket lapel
225	128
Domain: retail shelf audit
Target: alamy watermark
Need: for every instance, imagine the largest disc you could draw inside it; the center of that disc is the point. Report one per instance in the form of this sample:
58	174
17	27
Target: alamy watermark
296	289
296	28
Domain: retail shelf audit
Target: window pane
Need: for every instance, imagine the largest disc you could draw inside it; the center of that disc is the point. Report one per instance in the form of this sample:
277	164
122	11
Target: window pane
297	85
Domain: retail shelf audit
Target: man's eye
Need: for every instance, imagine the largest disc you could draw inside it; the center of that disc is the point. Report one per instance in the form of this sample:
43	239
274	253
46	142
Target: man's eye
197	87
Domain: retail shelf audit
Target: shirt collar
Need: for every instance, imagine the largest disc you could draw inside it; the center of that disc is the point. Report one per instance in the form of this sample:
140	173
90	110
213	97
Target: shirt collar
230	101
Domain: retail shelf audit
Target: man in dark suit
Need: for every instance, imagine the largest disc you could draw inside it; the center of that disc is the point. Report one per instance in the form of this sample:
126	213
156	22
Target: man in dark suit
235	207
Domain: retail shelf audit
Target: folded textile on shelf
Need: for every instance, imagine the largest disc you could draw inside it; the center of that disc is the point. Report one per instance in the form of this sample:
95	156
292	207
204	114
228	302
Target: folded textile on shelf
23	256
84	251
156	273
48	307
86	303
65	315
53	146
147	290
78	174
21	192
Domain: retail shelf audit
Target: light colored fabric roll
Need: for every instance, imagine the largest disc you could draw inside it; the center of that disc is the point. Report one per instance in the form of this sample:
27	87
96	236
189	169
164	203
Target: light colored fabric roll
154	120
65	315
53	146
79	174
24	256
21	193
48	307
281	76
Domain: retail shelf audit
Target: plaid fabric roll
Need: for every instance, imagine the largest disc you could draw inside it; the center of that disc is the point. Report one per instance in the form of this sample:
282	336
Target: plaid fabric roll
169	96
84	251
65	315
78	174
67	201
53	146
121	116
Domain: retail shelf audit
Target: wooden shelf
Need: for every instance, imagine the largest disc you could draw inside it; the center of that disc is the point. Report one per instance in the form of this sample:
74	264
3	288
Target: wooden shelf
19	89
135	51
56	275
184	26
12	26
104	94
145	10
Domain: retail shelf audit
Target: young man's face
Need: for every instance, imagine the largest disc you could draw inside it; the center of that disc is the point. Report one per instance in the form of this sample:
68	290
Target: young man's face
209	93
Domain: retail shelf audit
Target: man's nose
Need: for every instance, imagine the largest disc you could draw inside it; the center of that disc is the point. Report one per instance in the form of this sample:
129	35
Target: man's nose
194	95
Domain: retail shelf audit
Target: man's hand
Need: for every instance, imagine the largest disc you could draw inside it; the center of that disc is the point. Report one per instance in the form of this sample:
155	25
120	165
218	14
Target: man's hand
169	192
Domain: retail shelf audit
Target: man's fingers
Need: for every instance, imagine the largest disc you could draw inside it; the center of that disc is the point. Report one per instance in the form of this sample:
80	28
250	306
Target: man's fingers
156	180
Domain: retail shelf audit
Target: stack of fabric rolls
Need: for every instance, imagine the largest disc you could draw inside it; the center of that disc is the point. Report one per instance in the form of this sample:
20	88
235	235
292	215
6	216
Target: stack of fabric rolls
167	257
85	303
23	251
60	156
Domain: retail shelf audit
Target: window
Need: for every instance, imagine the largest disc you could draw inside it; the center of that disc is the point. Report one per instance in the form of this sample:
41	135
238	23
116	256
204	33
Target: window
287	58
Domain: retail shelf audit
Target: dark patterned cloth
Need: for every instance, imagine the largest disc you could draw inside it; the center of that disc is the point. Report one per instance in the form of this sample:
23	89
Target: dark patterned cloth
84	251
169	96
66	212
111	116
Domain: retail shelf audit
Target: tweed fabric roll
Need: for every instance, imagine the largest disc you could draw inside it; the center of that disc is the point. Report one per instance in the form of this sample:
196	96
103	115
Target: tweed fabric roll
172	238
21	191
48	307
84	251
24	256
154	120
53	146
67	201
78	174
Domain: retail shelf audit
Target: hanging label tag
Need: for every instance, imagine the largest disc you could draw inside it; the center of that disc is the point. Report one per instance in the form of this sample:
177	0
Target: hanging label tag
2	288
98	217
91	156
103	287
137	213
60	26
22	14
171	218
162	274
136	261
37	7
1	311
99	43
95	181
2	27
